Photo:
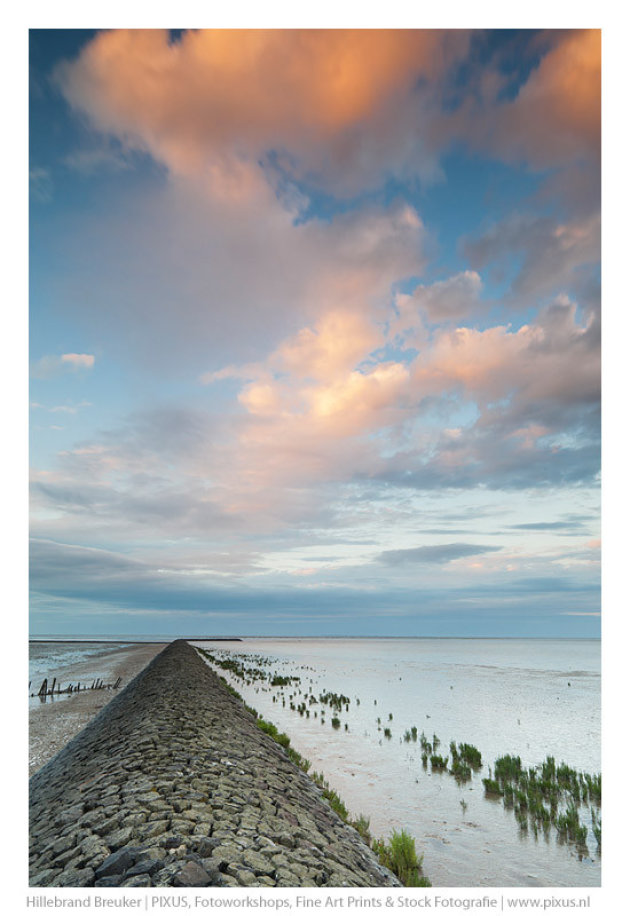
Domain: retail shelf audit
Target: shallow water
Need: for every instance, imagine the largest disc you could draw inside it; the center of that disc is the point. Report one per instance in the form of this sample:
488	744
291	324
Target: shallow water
59	659
528	697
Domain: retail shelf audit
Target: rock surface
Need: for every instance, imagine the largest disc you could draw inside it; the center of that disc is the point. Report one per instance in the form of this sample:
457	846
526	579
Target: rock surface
173	784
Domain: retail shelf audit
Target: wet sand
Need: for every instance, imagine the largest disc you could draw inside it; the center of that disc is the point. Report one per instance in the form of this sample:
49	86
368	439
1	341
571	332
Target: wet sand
53	723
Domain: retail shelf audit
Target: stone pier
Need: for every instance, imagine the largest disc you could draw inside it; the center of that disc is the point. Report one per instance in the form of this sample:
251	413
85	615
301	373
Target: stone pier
173	784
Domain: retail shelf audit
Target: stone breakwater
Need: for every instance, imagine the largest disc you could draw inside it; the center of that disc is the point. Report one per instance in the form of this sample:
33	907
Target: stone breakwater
173	784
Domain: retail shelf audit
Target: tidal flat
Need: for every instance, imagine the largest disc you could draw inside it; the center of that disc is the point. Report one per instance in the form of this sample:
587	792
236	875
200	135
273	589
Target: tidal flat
366	712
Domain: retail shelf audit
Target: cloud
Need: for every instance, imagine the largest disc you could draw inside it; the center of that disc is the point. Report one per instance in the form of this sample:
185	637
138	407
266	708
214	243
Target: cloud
216	97
342	108
50	366
78	360
41	184
88	160
69	408
333	406
241	275
105	583
433	553
556	115
453	299
556	257
548	526
237	119
549	118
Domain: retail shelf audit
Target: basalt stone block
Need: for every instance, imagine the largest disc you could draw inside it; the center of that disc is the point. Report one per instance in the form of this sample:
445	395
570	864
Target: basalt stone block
109	881
246	878
117	862
75	877
137	881
259	864
192	875
63	844
44	878
172	841
119	838
143	867
205	845
70	855
70	815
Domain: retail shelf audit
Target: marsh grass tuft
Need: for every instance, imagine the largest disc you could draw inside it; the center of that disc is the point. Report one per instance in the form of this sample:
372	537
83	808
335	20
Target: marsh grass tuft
362	825
270	729
331	796
400	856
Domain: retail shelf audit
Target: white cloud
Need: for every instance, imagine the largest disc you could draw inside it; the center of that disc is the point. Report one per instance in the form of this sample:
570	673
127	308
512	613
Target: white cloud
50	366
78	360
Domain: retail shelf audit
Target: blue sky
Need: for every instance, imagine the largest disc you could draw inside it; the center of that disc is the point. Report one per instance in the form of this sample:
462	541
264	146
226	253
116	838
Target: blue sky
315	333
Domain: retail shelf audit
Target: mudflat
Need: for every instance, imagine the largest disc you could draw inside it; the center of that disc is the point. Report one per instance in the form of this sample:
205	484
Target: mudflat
54	722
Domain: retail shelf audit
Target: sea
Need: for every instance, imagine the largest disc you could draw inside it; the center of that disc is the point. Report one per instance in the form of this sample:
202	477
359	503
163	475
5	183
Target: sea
528	697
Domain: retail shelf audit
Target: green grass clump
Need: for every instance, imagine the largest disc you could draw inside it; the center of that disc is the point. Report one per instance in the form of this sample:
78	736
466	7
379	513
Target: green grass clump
270	729
492	787
335	700
279	680
335	722
507	768
298	760
596	823
331	796
387	732
568	824
460	770
399	855
362	825
438	763
470	755
547	795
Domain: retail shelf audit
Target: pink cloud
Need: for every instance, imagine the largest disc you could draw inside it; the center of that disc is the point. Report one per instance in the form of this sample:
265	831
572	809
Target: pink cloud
453	299
557	113
315	413
243	276
78	360
219	95
50	366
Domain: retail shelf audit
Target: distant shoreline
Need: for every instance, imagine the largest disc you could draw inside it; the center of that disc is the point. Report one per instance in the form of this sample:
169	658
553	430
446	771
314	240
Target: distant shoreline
134	642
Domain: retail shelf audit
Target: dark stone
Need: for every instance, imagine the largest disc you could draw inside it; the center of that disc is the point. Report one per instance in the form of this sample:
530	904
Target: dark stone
216	877
143	867
205	844
172	842
192	875
137	881
109	881
117	863
76	877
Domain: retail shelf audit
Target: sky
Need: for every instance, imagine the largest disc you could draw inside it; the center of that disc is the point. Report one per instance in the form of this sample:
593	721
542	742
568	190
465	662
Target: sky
315	332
